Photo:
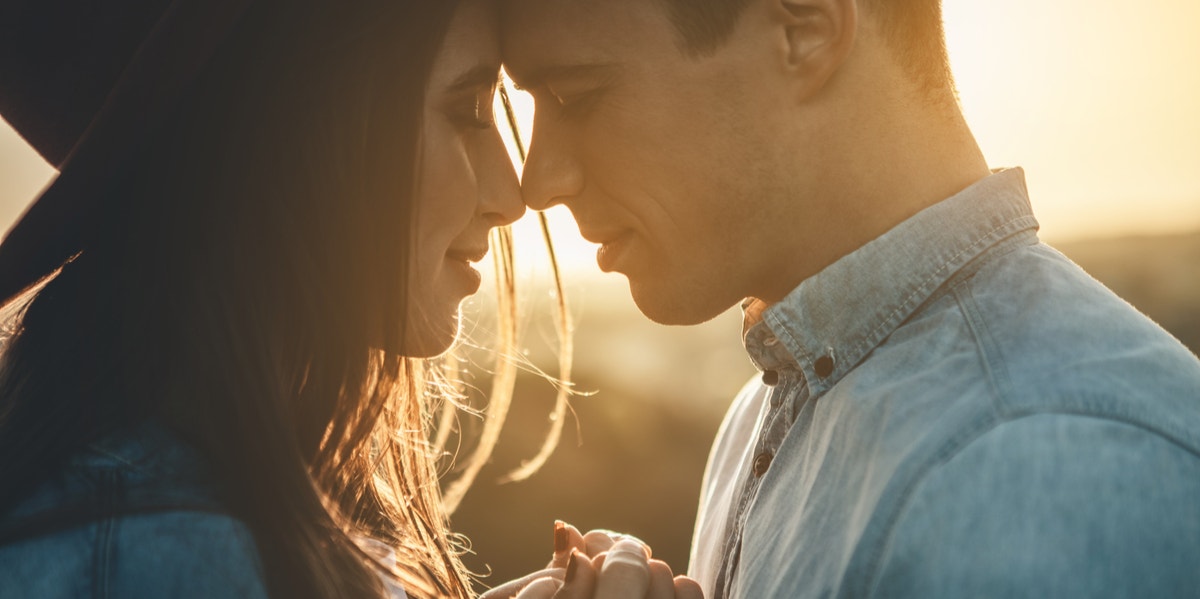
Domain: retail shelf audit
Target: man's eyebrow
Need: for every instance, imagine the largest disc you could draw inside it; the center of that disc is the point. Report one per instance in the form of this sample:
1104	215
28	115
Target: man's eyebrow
480	75
539	76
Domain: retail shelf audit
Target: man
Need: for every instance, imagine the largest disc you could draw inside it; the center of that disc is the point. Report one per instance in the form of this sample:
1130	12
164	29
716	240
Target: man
947	407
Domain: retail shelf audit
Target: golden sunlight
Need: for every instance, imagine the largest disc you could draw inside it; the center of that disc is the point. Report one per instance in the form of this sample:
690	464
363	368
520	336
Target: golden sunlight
1096	99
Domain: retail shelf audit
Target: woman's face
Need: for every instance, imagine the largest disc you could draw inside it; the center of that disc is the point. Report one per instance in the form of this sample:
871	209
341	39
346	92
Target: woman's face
465	180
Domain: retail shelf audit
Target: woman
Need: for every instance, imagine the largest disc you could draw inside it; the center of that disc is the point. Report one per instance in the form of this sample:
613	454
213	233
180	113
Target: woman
218	395
266	216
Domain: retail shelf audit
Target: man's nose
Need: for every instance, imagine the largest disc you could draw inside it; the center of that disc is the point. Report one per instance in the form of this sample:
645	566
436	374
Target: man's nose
552	174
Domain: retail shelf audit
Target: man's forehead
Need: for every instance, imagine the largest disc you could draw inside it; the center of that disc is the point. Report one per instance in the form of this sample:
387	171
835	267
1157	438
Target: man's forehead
541	33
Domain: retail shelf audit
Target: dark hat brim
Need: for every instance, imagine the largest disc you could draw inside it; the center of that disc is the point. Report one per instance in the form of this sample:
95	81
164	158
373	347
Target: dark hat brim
58	224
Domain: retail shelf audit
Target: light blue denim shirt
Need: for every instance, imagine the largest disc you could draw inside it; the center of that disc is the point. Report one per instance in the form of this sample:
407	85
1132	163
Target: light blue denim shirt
956	410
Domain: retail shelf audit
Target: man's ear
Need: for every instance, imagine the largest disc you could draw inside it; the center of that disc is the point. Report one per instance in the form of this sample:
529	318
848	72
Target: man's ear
818	37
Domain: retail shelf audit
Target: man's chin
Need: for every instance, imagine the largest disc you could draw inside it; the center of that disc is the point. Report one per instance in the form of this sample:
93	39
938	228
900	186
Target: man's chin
676	309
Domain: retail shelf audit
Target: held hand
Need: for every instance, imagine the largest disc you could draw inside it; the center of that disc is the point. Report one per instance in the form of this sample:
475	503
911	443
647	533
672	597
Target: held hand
625	570
568	538
546	581
599	565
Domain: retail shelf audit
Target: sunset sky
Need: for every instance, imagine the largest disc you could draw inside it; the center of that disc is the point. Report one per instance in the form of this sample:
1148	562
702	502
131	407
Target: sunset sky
1097	99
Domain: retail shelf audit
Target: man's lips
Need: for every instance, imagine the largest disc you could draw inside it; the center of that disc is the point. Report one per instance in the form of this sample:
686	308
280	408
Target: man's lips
612	248
613	244
599	235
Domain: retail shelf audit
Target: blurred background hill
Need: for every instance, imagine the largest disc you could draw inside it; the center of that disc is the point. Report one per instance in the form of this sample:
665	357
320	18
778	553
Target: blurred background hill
1159	275
643	436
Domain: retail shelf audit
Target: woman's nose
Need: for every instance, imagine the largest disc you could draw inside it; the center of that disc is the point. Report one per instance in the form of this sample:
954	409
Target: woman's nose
499	191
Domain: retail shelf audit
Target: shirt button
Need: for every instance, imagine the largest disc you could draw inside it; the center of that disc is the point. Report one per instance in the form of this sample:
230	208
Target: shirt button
824	366
770	378
762	463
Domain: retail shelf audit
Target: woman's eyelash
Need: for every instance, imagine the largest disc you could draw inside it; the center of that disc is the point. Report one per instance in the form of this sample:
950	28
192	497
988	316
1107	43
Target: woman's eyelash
476	113
474	122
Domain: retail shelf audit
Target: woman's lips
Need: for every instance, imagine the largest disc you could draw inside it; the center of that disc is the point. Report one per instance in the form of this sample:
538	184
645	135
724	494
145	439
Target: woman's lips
467	254
460	261
463	270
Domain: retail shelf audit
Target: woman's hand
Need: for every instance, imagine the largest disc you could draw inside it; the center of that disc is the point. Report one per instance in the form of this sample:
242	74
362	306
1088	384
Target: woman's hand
537	581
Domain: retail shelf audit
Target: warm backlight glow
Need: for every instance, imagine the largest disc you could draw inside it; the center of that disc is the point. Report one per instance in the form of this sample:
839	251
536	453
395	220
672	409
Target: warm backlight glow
1096	99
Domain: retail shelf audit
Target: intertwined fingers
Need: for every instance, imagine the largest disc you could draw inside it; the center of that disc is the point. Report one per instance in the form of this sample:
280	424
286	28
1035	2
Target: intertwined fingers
625	572
598	541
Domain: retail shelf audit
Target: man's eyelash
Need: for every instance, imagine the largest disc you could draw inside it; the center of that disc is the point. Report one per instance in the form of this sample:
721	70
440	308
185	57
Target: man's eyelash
576	104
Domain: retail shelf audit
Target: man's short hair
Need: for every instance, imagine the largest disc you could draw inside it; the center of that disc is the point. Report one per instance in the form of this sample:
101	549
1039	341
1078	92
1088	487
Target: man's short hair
913	28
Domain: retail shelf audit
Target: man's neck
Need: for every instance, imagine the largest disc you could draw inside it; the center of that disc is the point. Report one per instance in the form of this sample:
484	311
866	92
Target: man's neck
886	161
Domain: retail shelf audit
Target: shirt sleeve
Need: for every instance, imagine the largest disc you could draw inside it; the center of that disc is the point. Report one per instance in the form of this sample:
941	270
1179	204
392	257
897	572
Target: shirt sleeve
1056	505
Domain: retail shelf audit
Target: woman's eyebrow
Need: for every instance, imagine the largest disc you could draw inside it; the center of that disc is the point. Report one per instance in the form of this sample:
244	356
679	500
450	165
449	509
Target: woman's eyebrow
480	75
541	75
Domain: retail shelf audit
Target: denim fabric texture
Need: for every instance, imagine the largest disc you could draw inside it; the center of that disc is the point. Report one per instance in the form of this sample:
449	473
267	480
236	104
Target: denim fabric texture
134	515
956	410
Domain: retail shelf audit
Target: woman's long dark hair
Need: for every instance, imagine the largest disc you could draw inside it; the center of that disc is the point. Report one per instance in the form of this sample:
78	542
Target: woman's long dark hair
238	291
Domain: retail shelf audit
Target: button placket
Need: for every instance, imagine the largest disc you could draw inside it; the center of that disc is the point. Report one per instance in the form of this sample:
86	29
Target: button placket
770	377
824	366
762	463
786	381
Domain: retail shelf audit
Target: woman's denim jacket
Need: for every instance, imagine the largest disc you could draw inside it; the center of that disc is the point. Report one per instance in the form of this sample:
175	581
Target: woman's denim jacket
133	515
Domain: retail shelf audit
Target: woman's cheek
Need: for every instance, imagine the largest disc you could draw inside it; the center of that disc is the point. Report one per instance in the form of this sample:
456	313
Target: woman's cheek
461	190
437	183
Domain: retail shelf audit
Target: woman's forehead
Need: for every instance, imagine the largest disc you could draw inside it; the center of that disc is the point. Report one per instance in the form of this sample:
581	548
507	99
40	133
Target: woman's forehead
471	45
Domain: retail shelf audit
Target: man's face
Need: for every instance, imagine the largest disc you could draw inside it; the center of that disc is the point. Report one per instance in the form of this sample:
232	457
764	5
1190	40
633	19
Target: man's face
665	159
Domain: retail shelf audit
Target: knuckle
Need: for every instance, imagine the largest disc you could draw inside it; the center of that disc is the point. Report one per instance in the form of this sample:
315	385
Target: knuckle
659	568
631	546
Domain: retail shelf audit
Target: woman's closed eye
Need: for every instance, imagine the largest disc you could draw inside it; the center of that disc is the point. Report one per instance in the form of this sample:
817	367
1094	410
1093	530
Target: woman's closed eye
474	111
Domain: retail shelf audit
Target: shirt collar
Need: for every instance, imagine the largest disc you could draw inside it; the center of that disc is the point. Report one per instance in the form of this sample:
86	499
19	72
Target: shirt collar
828	324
